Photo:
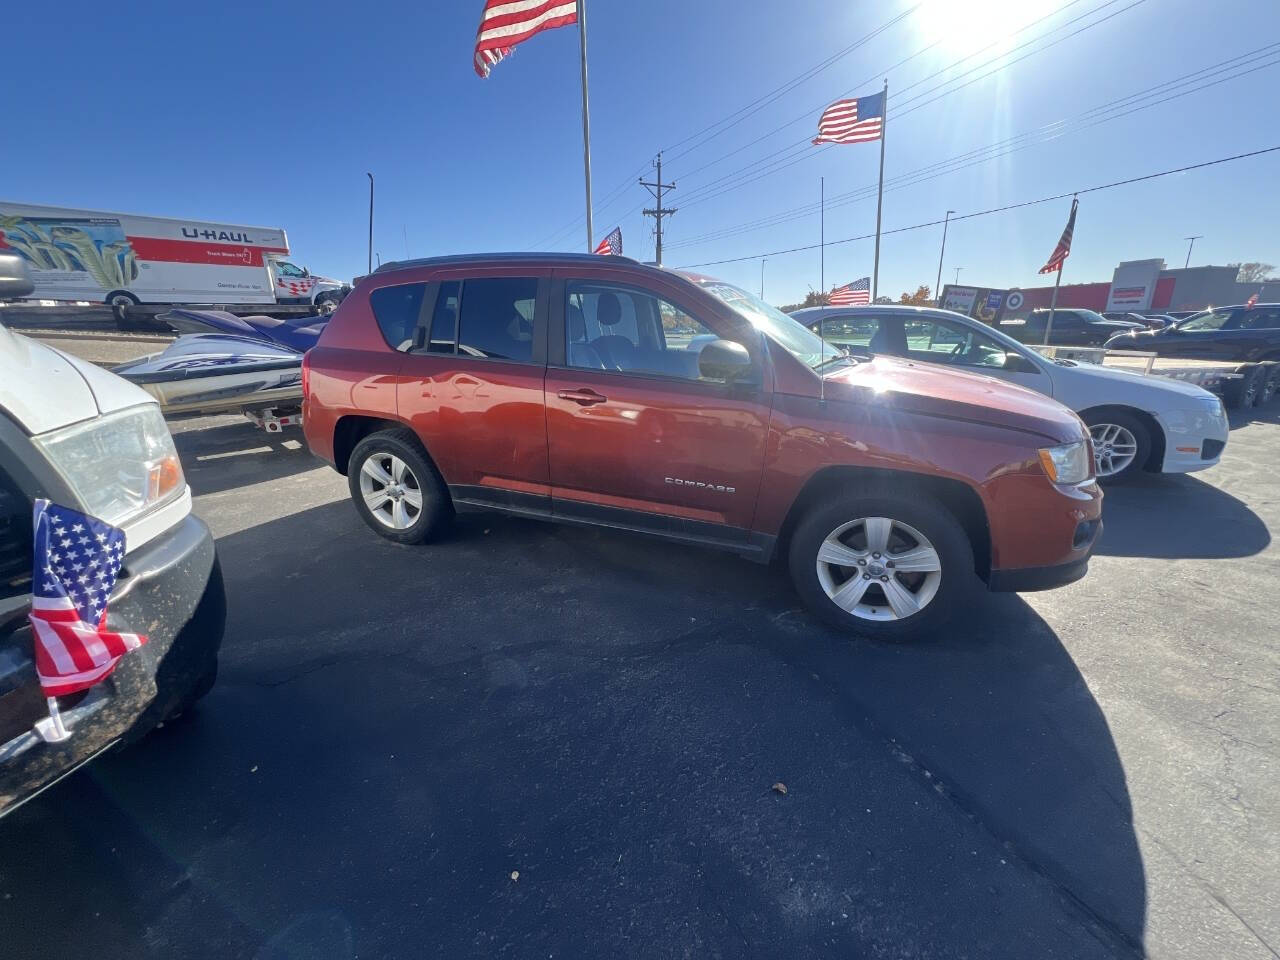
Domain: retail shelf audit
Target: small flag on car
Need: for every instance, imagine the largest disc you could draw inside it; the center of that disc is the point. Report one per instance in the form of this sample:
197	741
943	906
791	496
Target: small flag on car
505	23
611	246
1063	249
851	294
77	559
1248	304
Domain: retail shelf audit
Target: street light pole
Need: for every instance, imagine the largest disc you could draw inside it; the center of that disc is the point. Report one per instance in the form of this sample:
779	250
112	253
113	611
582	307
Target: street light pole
937	287
762	263
958	269
370	176
1189	246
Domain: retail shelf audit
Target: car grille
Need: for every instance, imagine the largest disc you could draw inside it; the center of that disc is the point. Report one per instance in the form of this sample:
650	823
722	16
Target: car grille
1212	449
15	540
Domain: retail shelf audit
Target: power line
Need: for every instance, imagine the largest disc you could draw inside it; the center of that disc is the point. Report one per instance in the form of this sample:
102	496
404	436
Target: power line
984	213
712	188
1166	92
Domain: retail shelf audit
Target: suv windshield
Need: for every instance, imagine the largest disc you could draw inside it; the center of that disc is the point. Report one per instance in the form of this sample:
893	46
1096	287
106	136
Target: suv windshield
797	339
1090	316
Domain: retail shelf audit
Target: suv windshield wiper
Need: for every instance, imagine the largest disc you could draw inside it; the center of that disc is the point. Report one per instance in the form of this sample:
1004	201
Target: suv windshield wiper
845	358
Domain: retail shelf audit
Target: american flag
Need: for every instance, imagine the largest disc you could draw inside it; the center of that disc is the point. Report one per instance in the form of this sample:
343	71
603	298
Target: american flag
1063	249
611	245
506	23
852	121
851	294
77	560
1248	304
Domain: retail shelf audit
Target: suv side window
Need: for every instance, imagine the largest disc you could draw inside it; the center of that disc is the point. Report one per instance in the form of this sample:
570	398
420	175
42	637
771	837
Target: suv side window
850	331
612	327
397	310
940	341
495	318
1260	318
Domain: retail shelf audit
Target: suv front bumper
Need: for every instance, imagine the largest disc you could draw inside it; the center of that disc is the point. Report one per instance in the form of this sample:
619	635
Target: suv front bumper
170	590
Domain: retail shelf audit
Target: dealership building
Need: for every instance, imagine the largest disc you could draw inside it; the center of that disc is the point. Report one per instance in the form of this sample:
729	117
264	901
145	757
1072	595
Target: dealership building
1145	286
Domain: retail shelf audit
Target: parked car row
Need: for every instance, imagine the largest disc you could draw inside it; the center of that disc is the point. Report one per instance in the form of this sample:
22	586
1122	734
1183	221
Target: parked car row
1247	334
1071	327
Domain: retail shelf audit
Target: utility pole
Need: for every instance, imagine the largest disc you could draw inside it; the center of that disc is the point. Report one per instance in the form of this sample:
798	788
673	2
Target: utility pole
1189	246
937	287
659	211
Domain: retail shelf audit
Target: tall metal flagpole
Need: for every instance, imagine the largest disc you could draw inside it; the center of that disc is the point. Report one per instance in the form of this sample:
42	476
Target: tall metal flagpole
884	131
586	120
937	287
822	235
1053	303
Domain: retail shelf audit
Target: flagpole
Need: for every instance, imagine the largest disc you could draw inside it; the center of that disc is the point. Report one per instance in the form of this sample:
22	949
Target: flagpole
884	130
586	119
822	235
1053	303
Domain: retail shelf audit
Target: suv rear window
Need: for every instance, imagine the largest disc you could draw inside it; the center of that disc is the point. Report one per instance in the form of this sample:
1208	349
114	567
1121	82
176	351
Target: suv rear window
496	318
397	310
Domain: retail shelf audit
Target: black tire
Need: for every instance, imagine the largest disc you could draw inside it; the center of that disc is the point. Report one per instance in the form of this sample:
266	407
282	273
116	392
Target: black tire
119	301
954	590
436	509
1135	426
1269	383
1242	392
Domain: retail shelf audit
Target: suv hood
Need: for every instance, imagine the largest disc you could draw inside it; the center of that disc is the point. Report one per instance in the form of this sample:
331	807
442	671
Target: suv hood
43	389
934	390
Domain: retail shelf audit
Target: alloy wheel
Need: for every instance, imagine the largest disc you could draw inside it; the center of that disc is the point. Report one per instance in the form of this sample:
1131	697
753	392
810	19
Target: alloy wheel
878	568
1114	448
390	490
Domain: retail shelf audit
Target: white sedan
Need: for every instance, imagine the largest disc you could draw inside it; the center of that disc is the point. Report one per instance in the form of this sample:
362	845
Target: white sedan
1139	423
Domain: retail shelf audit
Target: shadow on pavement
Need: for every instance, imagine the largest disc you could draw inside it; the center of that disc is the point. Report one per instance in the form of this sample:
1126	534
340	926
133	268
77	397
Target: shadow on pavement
1178	516
237	454
533	740
1268	413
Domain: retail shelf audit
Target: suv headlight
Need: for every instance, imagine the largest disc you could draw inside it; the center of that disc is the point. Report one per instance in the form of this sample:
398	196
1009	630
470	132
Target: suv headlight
1068	463
120	465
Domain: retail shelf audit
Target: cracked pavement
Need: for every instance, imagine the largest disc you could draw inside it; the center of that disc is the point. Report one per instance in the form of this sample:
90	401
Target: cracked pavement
531	740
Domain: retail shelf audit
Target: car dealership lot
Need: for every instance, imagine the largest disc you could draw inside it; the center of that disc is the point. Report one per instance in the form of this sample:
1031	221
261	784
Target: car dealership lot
534	740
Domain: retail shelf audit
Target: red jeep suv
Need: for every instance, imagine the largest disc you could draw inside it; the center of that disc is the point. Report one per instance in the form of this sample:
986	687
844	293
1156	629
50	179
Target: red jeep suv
598	390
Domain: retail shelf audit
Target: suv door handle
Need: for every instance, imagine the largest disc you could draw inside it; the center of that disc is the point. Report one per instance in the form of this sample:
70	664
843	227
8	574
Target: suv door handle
586	397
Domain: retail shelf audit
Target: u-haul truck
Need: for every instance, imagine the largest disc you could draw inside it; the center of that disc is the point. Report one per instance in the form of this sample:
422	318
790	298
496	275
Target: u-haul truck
124	260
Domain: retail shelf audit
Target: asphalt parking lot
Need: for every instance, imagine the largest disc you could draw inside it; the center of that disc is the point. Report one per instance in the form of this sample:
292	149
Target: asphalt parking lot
541	741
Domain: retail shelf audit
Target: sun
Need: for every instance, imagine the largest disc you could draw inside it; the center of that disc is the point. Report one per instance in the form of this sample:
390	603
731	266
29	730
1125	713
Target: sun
967	26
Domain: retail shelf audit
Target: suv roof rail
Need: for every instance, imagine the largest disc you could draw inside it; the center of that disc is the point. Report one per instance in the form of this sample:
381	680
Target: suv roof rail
512	256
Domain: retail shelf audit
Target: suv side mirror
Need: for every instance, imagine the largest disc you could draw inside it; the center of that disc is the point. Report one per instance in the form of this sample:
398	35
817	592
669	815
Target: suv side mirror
15	277
1017	363
724	360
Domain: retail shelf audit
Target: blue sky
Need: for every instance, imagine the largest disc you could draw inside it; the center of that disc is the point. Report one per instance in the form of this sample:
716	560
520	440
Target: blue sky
270	114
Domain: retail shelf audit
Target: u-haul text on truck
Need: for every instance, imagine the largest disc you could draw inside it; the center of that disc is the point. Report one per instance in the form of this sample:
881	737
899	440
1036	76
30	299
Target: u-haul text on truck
122	259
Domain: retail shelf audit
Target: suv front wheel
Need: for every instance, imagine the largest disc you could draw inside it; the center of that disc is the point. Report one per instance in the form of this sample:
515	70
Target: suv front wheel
396	488
882	566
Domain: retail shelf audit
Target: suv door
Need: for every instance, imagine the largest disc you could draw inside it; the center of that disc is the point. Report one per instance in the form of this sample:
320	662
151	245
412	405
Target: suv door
636	437
1259	332
471	384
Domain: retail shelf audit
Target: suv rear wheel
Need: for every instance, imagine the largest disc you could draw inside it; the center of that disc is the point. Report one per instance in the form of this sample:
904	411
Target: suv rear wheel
882	566
396	489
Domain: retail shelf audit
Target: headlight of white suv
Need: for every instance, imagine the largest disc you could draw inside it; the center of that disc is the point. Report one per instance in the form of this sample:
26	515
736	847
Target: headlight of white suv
121	465
1067	463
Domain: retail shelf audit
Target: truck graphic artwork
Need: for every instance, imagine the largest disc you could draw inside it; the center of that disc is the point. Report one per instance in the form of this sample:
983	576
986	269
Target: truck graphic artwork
97	247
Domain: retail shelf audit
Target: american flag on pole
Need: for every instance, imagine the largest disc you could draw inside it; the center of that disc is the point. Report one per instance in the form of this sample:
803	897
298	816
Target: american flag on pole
506	23
851	294
1248	304
611	246
77	559
1063	249
852	121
